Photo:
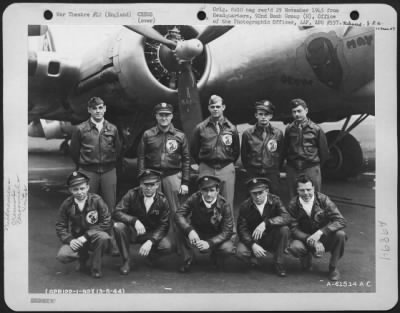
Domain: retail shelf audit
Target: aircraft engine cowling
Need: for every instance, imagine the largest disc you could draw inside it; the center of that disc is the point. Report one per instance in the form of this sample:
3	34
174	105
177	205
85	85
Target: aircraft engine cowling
50	129
50	78
134	73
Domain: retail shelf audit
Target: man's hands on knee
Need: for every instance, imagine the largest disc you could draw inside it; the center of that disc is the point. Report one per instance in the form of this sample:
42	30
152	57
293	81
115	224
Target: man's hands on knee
202	245
193	237
145	248
314	238
140	229
257	233
76	244
258	250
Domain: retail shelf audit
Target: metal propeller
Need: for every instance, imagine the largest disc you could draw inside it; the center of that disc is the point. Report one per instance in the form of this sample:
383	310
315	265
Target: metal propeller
185	51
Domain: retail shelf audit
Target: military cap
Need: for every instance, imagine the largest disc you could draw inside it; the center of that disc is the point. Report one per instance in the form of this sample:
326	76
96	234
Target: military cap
215	99
76	178
258	184
94	102
296	102
163	107
208	181
149	176
265	105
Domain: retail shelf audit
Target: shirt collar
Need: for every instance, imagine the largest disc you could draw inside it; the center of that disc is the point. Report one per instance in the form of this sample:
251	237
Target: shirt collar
262	204
80	204
260	129
97	123
152	197
221	120
208	204
302	123
308	203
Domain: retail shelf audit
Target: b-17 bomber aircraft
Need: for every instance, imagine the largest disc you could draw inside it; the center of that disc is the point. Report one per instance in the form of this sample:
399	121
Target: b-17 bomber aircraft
332	69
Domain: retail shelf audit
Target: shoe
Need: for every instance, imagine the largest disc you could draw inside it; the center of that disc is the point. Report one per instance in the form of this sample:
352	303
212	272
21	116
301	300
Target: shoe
185	267
280	270
96	273
125	268
334	274
306	263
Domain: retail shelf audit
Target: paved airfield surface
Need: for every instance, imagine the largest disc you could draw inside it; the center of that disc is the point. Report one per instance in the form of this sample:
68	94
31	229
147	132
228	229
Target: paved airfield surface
47	172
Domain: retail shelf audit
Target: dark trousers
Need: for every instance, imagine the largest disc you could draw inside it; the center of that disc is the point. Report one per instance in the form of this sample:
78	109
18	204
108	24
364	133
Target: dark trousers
126	234
274	240
187	249
333	243
96	243
273	177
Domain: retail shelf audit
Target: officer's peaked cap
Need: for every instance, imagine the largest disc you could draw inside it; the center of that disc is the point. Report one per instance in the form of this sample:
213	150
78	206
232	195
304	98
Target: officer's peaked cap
265	105
76	178
163	107
258	184
208	181
149	175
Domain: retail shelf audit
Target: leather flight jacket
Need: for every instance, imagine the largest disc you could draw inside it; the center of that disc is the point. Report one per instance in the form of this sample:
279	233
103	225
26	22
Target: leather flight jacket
215	149
274	215
94	151
215	223
73	223
165	152
305	145
131	208
325	216
262	155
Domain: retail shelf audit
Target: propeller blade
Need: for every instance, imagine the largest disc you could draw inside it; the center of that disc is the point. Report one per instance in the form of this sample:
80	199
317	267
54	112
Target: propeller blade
212	32
150	32
188	99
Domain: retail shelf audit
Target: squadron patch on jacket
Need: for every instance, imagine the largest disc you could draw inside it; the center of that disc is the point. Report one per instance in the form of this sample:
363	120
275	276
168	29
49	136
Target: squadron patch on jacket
171	145
92	217
215	218
272	145
227	139
319	216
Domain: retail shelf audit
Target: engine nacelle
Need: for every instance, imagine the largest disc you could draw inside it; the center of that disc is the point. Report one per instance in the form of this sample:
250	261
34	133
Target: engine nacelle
129	74
51	78
50	129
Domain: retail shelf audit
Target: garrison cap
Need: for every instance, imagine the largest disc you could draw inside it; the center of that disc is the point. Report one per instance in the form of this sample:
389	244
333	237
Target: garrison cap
215	99
76	178
208	181
265	105
296	102
94	102
258	184
163	107
149	175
